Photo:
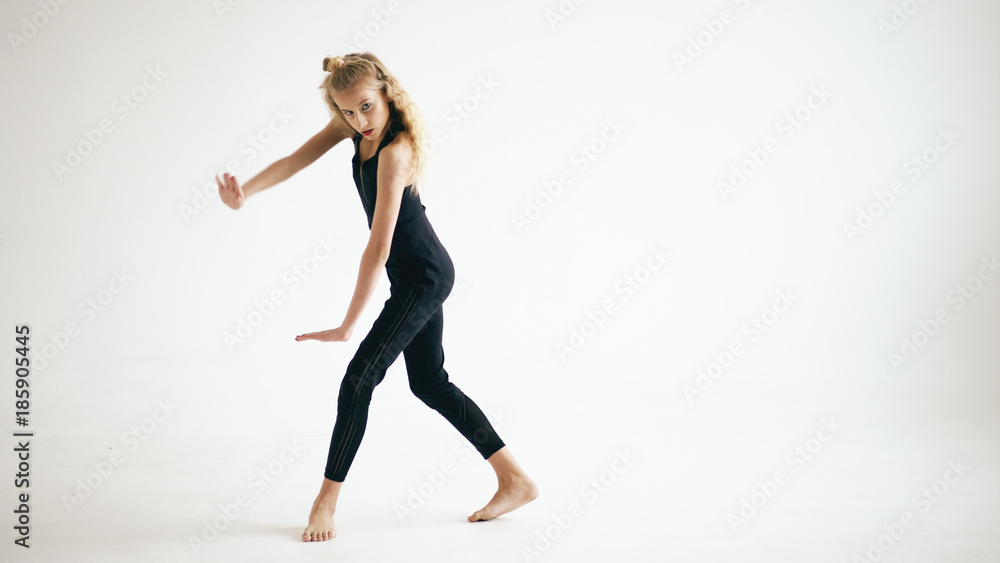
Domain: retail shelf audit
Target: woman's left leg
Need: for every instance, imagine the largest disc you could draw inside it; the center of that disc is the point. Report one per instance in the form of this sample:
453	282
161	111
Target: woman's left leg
424	357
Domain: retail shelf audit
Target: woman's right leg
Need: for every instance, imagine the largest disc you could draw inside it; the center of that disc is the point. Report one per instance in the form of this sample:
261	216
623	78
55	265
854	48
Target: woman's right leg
384	342
321	527
379	349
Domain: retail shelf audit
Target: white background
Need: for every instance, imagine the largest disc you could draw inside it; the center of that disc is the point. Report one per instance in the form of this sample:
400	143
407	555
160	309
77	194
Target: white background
142	203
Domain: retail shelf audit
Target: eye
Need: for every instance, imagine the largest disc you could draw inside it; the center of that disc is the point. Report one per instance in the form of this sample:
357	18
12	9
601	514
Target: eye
365	106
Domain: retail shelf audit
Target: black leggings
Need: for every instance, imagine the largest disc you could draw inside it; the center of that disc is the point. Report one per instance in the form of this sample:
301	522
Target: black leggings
412	322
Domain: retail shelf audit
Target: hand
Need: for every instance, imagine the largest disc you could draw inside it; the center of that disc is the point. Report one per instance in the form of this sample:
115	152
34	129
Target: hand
230	190
340	334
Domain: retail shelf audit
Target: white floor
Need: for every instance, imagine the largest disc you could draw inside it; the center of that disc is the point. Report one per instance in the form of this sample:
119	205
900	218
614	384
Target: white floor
681	471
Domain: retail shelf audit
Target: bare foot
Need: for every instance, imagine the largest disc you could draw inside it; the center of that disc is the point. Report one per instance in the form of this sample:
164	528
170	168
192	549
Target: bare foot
511	494
320	526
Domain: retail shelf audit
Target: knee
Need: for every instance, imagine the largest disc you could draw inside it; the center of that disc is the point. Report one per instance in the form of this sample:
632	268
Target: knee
351	389
418	388
361	373
431	390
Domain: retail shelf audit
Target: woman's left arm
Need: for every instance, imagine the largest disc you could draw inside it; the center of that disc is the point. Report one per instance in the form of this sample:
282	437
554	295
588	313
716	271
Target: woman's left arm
393	171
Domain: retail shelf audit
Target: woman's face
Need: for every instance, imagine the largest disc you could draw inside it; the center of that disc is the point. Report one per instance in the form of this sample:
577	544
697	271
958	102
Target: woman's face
367	110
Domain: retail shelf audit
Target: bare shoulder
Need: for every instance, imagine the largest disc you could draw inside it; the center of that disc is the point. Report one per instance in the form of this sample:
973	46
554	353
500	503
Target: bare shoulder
400	149
396	158
404	140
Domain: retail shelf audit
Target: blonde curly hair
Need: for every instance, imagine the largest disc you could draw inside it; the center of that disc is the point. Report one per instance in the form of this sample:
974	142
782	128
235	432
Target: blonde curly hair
346	71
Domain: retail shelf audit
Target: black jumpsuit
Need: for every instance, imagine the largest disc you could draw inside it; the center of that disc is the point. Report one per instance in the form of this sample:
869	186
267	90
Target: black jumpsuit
421	276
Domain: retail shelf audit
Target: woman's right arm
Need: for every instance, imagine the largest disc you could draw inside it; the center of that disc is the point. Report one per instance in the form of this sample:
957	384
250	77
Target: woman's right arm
234	195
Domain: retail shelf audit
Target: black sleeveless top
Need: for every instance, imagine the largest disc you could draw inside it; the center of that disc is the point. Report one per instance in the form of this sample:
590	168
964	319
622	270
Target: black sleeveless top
416	254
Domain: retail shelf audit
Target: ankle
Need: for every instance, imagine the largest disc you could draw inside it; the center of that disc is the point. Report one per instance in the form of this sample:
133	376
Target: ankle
512	478
325	503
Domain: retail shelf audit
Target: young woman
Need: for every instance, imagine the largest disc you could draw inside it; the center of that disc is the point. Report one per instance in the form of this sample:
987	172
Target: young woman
369	106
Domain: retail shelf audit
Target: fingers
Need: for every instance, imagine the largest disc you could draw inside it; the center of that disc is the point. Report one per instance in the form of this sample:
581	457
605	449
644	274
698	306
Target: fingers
222	183
230	190
322	336
228	181
236	189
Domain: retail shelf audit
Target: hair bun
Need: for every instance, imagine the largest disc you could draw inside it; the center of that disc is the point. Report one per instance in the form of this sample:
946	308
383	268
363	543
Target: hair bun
331	64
